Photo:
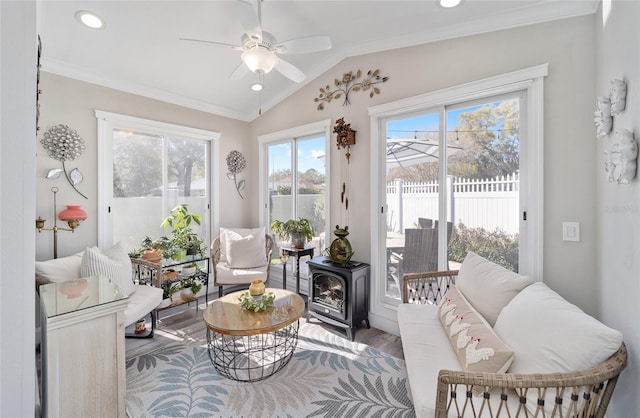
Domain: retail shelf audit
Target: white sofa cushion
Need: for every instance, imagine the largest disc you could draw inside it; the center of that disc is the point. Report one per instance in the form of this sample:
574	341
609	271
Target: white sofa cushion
549	334
142	301
487	286
59	269
477	347
242	232
246	251
426	350
113	263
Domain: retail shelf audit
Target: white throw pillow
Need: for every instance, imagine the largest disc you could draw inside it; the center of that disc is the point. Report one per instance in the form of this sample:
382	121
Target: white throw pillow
246	251
487	286
59	269
243	232
549	334
113	263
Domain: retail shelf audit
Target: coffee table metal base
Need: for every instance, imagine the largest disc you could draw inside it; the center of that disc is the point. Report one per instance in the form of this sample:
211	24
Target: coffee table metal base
254	357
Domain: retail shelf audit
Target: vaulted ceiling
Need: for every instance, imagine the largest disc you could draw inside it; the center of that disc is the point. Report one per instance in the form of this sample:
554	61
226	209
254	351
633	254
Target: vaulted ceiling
139	49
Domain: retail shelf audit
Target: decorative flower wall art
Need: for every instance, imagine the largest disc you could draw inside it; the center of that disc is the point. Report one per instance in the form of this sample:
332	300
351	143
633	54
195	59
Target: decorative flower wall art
618	96
348	83
64	144
620	160
602	117
235	164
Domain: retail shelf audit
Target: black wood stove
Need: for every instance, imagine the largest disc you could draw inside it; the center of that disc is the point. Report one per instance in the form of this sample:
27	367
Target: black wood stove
339	295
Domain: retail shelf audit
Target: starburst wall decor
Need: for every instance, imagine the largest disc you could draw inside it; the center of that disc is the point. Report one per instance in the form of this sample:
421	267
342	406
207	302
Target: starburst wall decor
349	83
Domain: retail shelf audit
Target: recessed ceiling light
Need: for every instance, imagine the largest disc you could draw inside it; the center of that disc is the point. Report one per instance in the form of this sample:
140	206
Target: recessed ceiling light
256	86
89	19
449	3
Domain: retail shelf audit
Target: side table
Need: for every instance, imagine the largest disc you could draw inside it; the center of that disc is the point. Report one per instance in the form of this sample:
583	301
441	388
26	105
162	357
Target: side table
297	253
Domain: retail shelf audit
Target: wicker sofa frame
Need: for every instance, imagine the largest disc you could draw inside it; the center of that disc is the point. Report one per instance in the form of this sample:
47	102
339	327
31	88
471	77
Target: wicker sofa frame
583	393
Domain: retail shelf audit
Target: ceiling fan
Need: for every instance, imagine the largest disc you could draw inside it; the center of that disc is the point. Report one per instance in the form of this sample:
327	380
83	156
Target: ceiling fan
260	50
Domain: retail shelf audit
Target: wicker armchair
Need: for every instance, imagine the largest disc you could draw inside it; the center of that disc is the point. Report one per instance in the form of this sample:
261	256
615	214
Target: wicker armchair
238	277
584	393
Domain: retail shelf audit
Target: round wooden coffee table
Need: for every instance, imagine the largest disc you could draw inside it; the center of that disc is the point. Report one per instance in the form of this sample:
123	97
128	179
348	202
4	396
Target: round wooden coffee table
250	346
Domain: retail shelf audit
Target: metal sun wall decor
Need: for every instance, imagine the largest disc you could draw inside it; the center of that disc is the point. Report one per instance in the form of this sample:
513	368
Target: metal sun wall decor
64	144
349	83
620	157
235	164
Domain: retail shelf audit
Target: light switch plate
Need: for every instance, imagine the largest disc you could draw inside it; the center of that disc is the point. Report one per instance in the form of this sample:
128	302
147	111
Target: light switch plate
571	231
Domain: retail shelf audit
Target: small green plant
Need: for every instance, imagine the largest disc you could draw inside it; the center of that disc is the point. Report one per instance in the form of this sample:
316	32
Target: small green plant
249	303
192	283
182	235
289	229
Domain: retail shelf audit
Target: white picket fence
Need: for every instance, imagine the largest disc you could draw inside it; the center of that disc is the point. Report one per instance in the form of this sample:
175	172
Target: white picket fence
488	203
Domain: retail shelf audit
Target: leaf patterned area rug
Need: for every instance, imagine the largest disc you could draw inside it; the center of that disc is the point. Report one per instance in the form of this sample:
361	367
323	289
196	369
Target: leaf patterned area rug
328	376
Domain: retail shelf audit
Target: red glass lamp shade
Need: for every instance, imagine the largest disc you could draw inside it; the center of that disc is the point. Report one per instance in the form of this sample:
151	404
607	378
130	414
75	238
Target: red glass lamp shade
73	214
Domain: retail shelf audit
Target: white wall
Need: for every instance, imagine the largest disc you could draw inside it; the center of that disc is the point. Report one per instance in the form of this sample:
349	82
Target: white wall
618	206
567	45
72	103
17	148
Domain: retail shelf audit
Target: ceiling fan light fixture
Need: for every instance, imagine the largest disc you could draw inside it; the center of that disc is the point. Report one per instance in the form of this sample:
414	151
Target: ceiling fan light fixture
89	19
256	86
259	59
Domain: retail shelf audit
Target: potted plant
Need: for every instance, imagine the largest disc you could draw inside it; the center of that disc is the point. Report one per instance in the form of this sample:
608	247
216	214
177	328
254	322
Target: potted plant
182	235
299	231
190	287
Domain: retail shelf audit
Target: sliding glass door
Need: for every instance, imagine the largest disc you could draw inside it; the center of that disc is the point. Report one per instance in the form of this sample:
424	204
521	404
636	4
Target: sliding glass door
452	186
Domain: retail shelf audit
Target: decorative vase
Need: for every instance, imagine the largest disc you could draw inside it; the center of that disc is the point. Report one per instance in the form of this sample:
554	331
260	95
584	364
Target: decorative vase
340	251
297	240
256	288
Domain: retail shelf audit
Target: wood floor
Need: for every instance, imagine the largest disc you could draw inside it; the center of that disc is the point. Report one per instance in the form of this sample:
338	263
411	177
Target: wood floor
184	323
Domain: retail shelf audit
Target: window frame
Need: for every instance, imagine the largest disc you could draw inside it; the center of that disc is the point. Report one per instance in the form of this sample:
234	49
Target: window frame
531	82
107	123
322	127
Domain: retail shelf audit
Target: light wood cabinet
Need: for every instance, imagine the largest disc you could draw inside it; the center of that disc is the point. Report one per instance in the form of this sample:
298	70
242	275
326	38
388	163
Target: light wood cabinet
83	349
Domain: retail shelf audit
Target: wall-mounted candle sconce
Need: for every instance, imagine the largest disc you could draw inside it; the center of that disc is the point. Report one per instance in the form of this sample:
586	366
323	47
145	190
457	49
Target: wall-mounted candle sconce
73	215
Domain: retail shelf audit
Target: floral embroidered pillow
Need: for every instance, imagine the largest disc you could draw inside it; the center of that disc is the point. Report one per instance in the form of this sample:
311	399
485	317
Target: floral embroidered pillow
478	348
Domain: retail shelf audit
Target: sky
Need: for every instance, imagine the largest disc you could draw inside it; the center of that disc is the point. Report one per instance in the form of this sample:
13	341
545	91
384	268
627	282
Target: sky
310	155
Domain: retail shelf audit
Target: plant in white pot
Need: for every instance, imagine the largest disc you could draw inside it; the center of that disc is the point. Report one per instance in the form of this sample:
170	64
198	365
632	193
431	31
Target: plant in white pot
299	231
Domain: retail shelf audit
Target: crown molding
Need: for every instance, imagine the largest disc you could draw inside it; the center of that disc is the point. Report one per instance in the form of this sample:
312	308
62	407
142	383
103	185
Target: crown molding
523	16
83	74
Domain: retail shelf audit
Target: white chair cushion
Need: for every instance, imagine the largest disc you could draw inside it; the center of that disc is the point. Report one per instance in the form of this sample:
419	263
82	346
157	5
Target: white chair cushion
59	269
243	232
487	286
228	275
549	334
142	301
246	251
113	263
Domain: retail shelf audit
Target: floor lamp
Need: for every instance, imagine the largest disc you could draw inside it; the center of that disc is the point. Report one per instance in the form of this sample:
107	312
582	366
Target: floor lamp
73	215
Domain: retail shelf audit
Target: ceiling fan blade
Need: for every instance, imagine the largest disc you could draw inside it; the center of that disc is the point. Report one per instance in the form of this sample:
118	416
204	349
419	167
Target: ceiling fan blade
202	41
290	71
250	21
304	45
239	72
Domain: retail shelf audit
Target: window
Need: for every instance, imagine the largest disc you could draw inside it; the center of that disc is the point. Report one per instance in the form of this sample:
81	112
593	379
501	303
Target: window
294	181
434	153
146	168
